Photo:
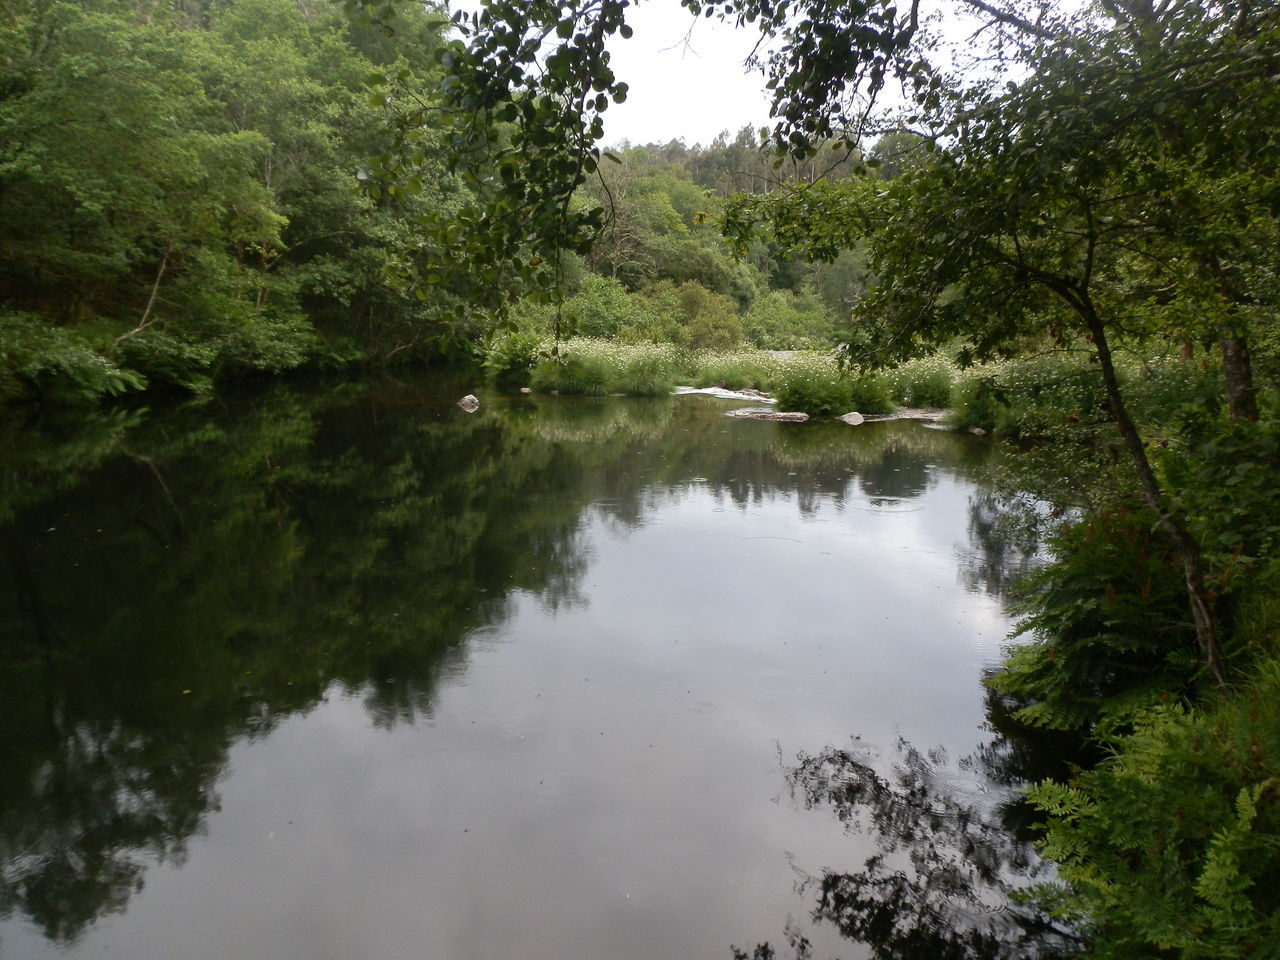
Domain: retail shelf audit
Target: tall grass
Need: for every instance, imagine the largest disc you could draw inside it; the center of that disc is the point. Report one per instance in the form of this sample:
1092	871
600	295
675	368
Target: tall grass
1052	394
925	382
593	367
815	384
810	382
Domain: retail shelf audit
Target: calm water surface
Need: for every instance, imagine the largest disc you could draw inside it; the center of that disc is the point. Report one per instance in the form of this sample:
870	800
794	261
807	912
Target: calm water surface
348	673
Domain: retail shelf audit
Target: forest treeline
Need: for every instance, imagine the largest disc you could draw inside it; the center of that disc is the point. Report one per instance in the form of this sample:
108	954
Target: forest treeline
181	201
178	201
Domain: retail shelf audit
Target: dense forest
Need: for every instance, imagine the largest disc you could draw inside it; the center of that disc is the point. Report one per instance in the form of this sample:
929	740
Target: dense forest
182	202
1077	243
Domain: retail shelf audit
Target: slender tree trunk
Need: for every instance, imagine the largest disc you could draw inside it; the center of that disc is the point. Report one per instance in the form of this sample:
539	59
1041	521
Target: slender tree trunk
1237	365
1183	540
146	320
1237	374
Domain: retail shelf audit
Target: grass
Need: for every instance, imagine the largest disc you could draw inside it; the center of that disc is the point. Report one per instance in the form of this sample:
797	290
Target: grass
1046	395
1054	394
591	367
806	381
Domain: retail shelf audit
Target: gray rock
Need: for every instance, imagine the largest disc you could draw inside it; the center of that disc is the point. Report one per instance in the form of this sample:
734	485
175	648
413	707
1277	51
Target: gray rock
764	413
469	403
723	394
853	419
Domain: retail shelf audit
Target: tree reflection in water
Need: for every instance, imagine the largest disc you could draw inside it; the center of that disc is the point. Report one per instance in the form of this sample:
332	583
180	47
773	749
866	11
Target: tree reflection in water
947	862
181	583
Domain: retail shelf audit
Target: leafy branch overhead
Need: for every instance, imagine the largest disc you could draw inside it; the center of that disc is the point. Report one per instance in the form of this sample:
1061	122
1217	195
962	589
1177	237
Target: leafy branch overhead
522	105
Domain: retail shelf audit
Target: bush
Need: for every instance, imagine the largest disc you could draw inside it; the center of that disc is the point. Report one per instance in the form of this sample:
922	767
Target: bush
1058	395
602	307
1108	627
40	361
509	357
1172	848
783	320
599	367
977	401
737	370
923	383
570	374
817	386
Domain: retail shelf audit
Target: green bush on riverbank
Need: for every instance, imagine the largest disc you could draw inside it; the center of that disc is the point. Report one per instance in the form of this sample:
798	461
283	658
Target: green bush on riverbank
1051	395
1172	843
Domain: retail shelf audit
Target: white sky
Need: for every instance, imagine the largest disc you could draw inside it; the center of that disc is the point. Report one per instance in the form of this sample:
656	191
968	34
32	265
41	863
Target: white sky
682	90
677	90
686	85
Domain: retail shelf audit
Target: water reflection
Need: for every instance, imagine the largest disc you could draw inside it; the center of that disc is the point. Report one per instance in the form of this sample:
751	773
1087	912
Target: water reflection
1004	545
947	856
187	581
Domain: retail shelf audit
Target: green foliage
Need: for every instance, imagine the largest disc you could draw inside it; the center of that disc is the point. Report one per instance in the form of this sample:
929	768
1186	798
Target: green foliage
710	319
179	192
509	357
602	308
783	320
571	374
1173	845
736	369
977	401
1058	394
1106	626
1225	480
818	386
924	382
598	367
40	361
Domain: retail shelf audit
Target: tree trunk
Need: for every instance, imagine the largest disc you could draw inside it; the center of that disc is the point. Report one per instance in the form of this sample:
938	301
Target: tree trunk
1183	540
1237	373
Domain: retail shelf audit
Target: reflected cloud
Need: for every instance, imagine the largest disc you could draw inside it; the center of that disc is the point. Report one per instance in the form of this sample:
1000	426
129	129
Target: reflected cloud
188	580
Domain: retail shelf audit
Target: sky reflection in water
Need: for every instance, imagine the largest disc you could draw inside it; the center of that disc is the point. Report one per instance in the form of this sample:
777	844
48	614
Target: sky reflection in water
545	682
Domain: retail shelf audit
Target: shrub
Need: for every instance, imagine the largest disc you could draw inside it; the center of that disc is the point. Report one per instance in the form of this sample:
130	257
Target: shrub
599	367
735	369
925	382
783	320
816	385
570	374
1107	625
642	370
1172	848
1159	390
977	401
602	307
509	357
1057	395
40	361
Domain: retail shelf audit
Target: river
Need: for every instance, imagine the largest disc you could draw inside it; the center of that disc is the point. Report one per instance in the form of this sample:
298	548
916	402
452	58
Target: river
346	672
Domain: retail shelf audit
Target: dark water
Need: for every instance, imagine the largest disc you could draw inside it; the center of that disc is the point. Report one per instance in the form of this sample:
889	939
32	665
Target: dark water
348	673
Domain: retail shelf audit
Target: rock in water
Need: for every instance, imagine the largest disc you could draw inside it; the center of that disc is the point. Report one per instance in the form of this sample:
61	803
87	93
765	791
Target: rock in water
764	413
469	403
853	419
